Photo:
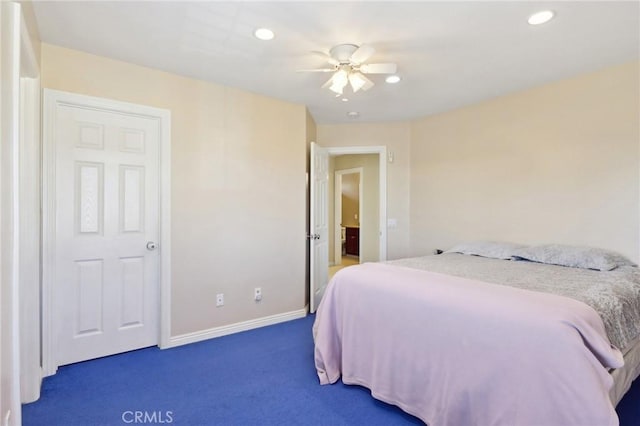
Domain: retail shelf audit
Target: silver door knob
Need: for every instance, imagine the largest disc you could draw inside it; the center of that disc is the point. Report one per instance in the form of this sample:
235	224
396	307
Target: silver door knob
151	245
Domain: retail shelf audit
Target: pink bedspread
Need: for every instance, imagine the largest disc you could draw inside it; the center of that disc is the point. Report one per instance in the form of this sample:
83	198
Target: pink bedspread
454	351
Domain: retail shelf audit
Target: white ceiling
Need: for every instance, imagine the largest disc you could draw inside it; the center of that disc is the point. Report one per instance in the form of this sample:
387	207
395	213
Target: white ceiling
449	54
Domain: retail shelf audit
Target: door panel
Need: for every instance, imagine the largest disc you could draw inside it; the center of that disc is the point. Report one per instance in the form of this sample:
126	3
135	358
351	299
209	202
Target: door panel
132	290
89	287
89	182
106	289
131	199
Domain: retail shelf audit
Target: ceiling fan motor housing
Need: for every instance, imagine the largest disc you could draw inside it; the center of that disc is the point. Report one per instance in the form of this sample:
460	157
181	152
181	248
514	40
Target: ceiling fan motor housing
343	52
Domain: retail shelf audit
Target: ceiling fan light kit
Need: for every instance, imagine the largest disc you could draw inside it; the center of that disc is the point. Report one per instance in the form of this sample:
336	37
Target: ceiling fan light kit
349	67
338	81
357	81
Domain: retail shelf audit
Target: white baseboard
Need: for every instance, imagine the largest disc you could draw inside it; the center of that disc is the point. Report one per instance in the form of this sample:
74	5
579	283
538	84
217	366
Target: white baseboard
198	336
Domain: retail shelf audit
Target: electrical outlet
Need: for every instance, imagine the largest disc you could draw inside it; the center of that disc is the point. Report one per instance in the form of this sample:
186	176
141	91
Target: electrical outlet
220	299
257	294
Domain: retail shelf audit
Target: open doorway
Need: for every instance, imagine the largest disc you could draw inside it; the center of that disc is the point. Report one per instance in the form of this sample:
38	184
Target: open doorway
348	211
354	209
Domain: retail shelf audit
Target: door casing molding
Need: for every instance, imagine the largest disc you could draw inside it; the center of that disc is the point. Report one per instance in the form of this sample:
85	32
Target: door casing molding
28	224
53	98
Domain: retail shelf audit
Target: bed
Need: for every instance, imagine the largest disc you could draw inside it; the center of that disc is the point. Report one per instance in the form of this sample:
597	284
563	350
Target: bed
550	337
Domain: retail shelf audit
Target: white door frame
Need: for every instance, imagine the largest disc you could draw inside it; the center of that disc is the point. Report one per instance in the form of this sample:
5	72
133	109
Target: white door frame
337	195
11	23
382	185
52	98
29	220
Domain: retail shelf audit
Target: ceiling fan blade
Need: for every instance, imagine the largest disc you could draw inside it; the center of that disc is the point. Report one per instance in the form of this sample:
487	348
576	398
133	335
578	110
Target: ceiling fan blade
363	53
379	68
326	57
318	70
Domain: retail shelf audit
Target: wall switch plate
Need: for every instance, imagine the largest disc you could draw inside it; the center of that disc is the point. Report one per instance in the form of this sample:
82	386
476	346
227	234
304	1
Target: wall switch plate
392	223
257	294
220	299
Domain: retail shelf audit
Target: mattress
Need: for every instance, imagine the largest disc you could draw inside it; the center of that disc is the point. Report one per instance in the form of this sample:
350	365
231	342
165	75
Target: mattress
625	375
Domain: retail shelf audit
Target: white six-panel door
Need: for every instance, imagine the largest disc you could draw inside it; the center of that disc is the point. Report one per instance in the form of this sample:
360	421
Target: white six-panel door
319	224
106	292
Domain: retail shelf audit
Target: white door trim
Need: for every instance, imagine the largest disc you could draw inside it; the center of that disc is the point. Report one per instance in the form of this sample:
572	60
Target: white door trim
382	155
52	98
29	226
11	19
337	195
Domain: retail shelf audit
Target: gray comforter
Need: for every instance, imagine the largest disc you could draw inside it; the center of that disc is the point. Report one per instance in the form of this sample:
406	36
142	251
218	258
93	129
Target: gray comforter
614	295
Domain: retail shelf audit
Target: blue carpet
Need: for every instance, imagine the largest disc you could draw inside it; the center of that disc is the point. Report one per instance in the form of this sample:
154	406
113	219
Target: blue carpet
259	377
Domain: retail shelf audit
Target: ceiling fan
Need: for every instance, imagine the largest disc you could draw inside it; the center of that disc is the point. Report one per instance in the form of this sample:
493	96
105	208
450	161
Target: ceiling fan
348	67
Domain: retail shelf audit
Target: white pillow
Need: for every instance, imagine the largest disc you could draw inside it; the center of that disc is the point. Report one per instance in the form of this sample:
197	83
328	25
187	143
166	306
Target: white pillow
493	249
573	256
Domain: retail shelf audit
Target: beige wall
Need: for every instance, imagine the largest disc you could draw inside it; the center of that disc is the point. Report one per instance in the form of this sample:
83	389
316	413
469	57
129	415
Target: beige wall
558	163
238	189
350	208
351	199
396	137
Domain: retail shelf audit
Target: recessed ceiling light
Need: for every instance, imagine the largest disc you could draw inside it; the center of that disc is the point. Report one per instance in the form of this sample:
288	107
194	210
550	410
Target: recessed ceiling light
541	17
345	100
353	114
392	79
264	34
